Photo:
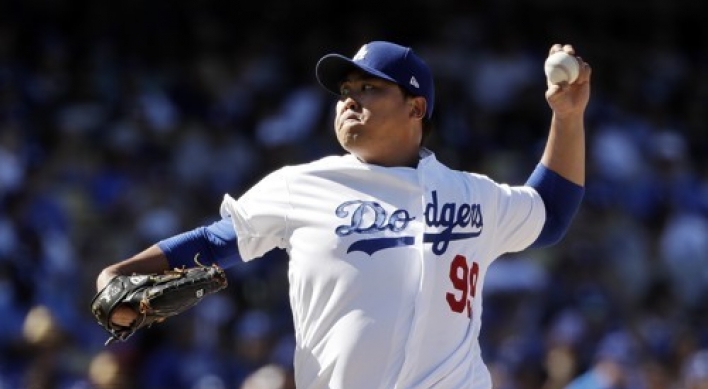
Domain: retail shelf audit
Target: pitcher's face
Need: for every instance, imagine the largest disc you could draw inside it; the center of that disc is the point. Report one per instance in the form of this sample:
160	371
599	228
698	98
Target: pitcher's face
375	120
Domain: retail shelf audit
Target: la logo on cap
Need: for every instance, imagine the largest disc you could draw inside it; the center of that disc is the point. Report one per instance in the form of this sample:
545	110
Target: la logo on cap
361	53
414	82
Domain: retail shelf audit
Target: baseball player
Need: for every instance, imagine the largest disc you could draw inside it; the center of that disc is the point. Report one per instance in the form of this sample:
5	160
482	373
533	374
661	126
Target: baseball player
388	248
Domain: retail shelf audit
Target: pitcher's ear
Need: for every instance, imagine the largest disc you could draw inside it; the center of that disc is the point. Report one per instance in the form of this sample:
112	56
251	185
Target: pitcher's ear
419	105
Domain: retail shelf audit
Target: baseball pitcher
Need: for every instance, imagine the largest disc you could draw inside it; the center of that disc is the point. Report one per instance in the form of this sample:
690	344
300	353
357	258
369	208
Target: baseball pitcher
388	247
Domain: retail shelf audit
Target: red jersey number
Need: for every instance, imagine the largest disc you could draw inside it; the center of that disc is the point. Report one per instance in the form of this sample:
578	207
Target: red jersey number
464	280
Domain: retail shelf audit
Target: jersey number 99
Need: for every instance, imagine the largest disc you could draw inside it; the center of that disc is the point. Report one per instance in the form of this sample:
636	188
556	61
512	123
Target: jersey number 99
464	280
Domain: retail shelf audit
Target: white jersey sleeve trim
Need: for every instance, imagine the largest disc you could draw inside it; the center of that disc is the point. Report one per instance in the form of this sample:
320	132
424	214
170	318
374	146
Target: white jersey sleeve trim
521	215
260	216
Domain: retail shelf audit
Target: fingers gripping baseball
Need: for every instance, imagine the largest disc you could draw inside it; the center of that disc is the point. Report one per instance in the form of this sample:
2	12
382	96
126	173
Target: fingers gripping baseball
564	97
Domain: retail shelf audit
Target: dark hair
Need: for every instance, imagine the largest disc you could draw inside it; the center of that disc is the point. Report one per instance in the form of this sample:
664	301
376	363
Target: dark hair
427	122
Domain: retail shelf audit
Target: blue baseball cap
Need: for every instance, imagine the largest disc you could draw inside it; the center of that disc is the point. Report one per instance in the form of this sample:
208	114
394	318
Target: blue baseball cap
385	60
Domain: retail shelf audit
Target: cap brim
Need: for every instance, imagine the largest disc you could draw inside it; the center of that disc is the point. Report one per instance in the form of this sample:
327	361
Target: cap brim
332	68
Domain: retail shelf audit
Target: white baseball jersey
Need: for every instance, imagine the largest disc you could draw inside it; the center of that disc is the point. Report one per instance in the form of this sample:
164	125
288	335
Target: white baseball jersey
386	266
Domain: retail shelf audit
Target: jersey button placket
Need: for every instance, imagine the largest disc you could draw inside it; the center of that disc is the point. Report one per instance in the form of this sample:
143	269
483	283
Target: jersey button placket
425	292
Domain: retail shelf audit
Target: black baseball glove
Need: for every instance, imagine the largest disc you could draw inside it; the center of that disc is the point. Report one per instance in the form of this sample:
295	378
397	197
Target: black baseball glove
155	297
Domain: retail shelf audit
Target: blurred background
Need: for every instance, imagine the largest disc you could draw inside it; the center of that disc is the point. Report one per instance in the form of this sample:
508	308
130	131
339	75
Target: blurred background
124	123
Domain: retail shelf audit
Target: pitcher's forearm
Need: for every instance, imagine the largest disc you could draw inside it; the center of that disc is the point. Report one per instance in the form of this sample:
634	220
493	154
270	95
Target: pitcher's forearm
150	260
565	148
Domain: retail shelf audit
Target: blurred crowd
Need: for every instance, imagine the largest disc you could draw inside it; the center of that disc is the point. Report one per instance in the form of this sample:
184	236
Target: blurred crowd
122	124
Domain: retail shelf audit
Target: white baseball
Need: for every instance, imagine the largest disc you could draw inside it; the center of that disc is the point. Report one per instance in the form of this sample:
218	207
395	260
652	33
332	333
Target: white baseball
561	66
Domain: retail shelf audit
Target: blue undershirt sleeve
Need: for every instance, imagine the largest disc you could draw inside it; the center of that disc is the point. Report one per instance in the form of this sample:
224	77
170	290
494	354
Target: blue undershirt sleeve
561	198
205	245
